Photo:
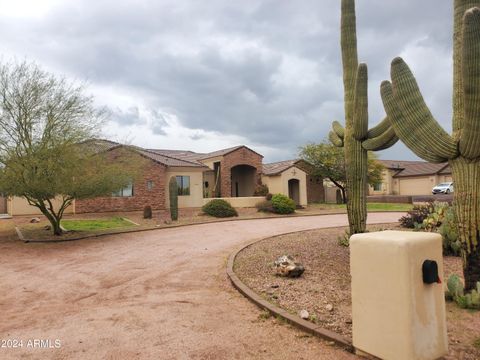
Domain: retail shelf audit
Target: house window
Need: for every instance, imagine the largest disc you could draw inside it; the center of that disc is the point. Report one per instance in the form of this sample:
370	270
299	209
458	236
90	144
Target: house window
377	186
183	183
149	184
127	191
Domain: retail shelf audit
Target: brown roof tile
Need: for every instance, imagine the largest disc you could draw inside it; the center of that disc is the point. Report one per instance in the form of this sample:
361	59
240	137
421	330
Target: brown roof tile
278	167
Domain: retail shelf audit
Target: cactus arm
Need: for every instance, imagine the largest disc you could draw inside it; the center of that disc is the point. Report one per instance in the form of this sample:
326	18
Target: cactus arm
470	134
348	42
334	139
388	139
402	127
379	129
417	118
459	7
360	124
338	129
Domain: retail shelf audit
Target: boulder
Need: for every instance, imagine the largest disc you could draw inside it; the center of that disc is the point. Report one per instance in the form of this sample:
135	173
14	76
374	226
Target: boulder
35	220
287	266
304	314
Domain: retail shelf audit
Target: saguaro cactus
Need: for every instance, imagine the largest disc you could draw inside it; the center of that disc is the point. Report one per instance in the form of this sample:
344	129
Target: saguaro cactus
173	196
355	137
416	127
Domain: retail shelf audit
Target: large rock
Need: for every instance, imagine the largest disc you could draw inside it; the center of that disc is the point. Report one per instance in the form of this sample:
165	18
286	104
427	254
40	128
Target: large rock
286	266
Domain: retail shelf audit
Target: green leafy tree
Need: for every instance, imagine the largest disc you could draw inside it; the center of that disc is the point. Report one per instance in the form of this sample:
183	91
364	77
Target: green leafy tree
46	156
328	161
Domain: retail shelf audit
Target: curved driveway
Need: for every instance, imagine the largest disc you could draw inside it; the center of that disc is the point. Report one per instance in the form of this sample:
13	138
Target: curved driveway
160	294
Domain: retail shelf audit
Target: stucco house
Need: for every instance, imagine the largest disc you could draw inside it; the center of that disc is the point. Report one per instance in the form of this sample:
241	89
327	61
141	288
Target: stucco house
231	173
411	177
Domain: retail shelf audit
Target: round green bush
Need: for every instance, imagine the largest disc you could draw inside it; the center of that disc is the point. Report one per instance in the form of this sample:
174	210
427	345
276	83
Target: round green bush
219	208
282	204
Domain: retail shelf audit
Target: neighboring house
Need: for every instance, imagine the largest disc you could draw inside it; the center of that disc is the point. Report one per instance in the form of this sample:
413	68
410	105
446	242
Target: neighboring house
231	173
292	178
411	177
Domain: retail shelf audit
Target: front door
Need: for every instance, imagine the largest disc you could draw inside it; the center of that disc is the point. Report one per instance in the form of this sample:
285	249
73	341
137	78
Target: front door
294	190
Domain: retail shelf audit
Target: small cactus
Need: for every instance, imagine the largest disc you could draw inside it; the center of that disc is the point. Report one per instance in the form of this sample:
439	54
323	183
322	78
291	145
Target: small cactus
456	293
173	196
455	286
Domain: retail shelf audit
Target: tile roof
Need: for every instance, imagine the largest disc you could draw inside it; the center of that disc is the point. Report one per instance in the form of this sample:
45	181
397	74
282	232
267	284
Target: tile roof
196	157
99	145
278	167
168	160
415	168
184	158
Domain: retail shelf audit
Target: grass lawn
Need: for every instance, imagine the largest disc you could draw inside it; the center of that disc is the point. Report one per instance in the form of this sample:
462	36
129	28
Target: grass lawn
96	224
370	207
76	228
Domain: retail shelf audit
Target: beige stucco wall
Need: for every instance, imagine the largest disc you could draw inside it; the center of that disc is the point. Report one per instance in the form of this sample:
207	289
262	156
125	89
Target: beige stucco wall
386	186
195	199
240	202
209	176
394	314
210	161
20	206
278	184
415	185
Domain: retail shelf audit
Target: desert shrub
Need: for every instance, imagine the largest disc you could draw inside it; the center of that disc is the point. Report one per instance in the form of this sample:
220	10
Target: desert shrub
282	204
435	217
261	190
147	212
219	208
268	196
264	206
415	217
344	240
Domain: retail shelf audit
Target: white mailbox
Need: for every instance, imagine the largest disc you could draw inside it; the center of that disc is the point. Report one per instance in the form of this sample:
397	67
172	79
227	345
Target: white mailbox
398	303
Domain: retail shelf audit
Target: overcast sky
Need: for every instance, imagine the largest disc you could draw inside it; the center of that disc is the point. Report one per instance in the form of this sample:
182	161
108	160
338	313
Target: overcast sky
204	75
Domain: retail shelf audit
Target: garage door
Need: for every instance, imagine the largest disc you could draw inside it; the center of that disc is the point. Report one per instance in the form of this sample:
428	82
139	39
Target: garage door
421	186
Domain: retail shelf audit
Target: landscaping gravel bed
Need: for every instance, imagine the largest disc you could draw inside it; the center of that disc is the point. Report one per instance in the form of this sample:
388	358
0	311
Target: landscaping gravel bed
324	288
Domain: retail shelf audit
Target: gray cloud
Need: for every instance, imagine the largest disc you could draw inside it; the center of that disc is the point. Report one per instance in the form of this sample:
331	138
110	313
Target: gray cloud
269	71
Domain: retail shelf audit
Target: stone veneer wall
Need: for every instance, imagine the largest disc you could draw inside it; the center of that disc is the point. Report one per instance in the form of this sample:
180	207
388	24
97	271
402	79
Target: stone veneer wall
242	156
315	189
142	196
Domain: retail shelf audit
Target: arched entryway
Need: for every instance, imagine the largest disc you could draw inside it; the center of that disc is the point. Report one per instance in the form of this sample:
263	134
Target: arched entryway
243	180
294	190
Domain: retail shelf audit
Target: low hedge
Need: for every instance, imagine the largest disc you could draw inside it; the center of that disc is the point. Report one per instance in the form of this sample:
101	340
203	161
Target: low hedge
282	204
219	208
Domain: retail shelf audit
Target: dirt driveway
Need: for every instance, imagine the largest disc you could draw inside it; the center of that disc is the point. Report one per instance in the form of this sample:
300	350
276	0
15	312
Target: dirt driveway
152	295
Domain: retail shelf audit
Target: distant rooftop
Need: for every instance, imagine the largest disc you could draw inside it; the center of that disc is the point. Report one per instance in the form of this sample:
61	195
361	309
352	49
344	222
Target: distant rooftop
415	168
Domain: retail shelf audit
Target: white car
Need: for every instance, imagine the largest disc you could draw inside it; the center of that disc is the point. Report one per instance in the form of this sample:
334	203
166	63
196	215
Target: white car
443	188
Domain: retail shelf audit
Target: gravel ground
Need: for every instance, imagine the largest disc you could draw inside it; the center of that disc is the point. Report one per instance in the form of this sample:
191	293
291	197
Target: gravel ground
326	283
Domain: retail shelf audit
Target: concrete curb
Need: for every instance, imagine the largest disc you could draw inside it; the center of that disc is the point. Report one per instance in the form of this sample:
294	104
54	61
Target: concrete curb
182	225
294	320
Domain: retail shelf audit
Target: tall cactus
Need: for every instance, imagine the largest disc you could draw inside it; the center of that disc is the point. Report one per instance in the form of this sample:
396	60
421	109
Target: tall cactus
173	196
356	137
416	127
